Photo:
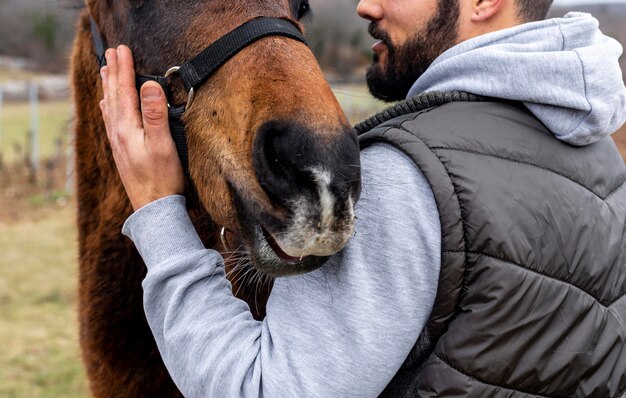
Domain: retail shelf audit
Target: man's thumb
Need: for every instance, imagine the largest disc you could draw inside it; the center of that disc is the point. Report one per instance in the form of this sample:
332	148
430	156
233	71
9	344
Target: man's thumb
154	109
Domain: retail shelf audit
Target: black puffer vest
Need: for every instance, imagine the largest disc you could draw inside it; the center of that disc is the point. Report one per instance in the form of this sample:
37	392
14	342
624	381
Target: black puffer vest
532	292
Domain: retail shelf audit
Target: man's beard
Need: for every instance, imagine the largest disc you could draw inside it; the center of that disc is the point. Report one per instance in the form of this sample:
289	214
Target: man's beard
406	63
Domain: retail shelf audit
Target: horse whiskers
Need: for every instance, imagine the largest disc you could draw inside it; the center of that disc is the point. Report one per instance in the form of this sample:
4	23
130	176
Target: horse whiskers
242	262
232	253
242	279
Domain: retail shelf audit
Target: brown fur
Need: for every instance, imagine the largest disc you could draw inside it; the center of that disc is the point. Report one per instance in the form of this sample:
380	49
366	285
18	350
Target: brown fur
276	78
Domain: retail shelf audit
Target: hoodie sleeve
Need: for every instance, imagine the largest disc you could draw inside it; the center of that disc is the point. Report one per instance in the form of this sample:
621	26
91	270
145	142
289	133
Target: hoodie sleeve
342	330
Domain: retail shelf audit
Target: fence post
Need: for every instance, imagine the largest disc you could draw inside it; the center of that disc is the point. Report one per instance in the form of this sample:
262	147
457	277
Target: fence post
33	95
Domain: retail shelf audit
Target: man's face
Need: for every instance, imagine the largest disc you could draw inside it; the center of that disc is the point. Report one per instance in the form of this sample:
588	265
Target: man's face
411	34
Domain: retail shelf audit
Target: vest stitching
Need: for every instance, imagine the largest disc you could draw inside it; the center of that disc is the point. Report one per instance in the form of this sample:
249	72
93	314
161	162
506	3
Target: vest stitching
624	294
400	126
544	274
443	148
620	298
616	190
466	270
492	385
463	287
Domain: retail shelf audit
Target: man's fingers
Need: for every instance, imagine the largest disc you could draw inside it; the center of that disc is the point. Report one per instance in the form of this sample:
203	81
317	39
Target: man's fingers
128	99
103	109
105	87
111	85
154	110
104	72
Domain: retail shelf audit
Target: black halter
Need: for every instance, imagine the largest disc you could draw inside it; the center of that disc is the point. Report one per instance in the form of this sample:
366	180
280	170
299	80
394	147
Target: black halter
197	71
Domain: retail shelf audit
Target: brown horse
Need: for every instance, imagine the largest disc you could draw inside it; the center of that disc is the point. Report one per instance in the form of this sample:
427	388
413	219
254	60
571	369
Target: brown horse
272	159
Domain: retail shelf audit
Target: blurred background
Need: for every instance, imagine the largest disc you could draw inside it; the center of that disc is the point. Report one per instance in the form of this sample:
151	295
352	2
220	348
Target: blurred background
39	355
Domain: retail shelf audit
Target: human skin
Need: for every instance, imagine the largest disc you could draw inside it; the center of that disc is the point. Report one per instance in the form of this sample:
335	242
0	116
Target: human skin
143	149
401	19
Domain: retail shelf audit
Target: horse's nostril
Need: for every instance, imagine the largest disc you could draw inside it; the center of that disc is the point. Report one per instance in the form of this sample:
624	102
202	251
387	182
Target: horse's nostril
285	155
279	159
277	156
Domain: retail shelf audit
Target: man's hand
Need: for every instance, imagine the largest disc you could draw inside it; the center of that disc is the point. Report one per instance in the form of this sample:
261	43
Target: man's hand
143	149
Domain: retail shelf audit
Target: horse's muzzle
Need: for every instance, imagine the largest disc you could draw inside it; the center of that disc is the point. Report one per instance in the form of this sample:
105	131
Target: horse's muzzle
313	178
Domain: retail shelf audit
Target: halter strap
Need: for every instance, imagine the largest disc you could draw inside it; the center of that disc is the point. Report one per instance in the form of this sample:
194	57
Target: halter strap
197	71
204	65
98	43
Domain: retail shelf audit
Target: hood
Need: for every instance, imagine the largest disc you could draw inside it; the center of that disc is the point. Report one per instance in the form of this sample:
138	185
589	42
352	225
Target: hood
564	70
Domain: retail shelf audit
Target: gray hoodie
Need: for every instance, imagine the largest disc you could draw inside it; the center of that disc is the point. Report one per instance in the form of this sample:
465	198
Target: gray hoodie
563	69
345	329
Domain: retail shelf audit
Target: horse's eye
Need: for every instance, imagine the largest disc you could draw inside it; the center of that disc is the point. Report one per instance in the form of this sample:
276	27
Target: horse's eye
303	10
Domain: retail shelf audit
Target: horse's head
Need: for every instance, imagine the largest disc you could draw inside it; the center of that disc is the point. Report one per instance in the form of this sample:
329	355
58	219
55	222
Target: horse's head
271	154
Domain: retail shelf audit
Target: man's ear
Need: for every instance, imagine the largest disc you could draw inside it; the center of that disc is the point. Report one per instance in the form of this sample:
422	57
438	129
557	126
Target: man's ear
484	10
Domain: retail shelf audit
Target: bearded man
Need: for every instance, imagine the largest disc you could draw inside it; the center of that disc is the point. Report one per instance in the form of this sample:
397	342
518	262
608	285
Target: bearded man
490	254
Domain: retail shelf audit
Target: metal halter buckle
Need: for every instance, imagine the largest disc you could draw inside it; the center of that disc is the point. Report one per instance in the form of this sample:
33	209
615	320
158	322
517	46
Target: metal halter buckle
170	72
223	238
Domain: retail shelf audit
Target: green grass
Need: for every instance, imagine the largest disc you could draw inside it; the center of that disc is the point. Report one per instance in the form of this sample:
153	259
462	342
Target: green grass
38	321
54	119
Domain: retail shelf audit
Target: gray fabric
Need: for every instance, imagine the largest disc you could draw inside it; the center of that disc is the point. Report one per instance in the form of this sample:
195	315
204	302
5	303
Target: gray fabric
341	331
532	292
563	69
415	104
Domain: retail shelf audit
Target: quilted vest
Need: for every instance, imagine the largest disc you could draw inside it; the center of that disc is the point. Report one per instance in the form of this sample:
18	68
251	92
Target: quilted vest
531	299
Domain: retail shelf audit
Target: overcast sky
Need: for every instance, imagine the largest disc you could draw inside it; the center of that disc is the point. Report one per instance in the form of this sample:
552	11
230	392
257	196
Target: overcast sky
575	2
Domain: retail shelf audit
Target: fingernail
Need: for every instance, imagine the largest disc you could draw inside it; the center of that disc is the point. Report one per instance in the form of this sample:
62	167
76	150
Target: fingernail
103	73
151	93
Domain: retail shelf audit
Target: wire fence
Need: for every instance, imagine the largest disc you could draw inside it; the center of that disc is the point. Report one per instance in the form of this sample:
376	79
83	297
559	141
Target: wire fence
35	145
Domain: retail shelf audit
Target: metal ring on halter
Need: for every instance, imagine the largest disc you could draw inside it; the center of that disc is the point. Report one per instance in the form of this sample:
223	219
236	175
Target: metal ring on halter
170	72
223	237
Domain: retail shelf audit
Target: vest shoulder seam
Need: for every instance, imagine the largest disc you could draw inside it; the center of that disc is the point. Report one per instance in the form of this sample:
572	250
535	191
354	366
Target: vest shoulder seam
462	212
492	385
620	298
615	190
540	273
445	148
411	137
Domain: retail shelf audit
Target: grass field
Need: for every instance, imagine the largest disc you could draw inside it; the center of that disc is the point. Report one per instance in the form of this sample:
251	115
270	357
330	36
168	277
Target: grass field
54	117
38	321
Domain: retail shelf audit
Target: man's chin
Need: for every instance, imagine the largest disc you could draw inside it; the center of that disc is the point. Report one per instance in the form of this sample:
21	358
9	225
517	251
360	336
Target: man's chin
381	86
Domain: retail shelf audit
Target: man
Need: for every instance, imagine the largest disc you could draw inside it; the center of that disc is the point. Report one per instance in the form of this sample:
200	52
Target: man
489	254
